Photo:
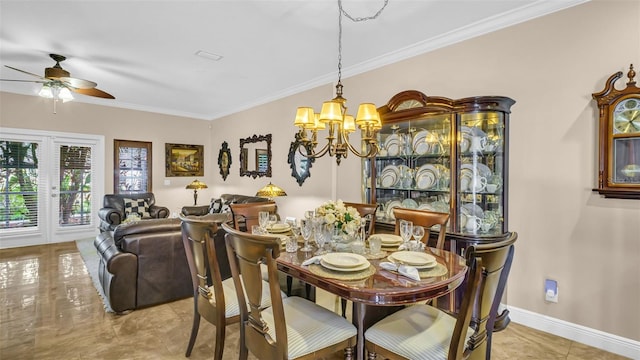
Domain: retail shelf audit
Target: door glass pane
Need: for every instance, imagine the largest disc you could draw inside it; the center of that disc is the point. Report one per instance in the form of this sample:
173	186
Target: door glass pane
18	184
75	185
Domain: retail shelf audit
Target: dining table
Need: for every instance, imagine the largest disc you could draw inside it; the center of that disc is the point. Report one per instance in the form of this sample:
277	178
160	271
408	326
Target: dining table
375	291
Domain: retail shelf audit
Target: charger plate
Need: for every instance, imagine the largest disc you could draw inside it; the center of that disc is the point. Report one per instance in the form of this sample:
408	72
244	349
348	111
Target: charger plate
341	275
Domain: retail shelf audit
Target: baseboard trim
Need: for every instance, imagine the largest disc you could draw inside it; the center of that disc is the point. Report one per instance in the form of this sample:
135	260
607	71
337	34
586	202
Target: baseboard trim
592	337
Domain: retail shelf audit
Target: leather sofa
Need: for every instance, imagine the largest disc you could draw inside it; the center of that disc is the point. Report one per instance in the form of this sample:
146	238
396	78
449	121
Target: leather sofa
221	205
113	211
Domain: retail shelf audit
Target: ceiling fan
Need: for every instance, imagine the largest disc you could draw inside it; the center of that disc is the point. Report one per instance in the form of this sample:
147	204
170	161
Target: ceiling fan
57	82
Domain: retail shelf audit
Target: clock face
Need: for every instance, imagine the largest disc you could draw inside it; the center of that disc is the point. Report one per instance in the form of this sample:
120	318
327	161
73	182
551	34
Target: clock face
626	116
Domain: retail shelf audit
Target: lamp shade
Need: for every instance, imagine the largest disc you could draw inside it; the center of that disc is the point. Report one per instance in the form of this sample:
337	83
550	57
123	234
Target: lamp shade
349	125
271	191
304	118
197	185
367	113
331	112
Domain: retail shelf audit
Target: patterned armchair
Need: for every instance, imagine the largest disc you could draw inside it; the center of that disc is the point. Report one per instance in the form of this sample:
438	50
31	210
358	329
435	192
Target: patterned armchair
117	207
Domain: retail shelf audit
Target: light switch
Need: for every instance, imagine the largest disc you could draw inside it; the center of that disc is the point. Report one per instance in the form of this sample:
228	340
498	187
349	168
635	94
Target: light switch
551	290
167	182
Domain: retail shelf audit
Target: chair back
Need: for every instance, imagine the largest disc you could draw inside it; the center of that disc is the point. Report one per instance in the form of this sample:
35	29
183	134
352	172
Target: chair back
496	260
246	253
198	239
248	213
367	213
426	219
458	348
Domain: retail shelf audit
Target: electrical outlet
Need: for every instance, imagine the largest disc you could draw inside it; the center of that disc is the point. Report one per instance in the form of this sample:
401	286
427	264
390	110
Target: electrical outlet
551	290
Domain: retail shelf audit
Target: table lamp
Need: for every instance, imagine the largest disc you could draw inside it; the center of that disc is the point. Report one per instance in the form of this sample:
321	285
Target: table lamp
270	191
196	185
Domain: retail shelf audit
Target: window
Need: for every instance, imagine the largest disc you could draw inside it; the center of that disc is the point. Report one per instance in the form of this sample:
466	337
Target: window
18	184
132	167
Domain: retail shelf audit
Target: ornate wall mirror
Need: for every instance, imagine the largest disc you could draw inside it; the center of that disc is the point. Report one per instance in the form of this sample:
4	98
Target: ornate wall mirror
255	156
298	162
224	160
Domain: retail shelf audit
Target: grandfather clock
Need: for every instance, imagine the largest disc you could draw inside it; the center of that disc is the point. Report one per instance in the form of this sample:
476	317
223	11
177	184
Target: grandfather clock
619	139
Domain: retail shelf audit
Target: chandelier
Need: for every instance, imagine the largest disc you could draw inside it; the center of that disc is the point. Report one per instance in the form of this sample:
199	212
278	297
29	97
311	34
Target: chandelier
333	116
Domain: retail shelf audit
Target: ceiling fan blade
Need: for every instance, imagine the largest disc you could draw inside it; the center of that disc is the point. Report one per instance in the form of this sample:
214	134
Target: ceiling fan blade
93	92
78	83
30	81
25	72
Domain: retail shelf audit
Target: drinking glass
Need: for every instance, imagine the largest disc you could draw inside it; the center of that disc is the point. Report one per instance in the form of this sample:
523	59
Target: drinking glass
418	233
263	219
324	232
307	230
309	214
406	230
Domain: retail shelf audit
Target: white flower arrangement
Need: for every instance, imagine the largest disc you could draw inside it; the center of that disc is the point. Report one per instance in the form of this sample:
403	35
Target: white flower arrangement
345	218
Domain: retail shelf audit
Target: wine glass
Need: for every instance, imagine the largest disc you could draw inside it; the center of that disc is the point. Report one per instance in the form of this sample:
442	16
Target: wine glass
406	230
263	219
309	214
418	233
307	230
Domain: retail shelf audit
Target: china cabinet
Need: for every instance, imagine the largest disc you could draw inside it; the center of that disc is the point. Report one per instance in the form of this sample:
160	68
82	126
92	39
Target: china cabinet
443	155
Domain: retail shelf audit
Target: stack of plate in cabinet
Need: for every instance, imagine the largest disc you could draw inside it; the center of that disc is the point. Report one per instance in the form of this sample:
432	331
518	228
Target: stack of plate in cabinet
390	206
389	176
393	144
426	176
420	144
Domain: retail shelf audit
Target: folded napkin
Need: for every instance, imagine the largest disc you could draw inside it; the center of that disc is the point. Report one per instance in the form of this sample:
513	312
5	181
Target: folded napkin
313	260
412	245
405	270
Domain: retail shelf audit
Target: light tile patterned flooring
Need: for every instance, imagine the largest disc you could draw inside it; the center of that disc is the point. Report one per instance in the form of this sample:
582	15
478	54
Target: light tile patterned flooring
50	310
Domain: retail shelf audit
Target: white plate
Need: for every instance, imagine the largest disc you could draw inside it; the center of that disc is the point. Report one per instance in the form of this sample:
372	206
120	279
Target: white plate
474	209
388	180
409	204
392	144
426	206
388	239
344	260
279	228
390	206
351	269
425	180
414	258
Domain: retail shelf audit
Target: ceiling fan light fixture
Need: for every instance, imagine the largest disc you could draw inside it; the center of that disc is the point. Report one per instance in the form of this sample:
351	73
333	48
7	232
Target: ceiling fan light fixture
65	95
45	92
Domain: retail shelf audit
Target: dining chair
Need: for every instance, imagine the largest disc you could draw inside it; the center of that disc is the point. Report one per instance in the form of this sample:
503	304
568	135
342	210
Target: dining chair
424	332
426	219
293	327
248	213
214	298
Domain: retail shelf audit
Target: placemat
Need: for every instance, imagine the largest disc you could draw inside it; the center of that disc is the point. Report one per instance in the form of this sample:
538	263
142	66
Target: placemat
340	275
437	270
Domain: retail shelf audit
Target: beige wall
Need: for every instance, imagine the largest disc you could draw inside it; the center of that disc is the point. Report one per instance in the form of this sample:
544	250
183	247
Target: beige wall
550	66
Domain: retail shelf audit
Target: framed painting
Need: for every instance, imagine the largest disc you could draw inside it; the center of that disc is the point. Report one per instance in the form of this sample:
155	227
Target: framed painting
184	160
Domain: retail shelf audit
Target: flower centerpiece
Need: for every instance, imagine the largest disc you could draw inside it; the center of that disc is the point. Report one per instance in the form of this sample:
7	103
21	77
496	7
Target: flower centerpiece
345	218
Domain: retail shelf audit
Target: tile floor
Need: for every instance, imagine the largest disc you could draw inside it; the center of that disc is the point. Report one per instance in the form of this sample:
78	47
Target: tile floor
50	310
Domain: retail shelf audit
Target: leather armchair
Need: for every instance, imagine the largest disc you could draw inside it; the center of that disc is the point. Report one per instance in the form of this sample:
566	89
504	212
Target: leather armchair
112	213
143	263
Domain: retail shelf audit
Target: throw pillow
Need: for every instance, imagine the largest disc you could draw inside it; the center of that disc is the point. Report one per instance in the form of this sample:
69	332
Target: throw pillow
137	206
216	206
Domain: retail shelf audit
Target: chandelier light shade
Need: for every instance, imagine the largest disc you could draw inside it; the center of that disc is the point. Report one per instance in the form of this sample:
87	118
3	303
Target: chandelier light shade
196	185
333	117
270	191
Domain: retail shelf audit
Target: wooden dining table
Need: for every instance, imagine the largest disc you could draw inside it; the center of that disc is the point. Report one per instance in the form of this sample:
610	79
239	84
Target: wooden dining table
377	292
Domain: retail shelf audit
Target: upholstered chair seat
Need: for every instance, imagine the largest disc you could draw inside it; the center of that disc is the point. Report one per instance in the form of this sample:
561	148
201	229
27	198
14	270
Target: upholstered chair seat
405	331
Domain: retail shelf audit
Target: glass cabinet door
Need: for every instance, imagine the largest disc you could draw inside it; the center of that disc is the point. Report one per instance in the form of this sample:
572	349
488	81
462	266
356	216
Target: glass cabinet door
481	173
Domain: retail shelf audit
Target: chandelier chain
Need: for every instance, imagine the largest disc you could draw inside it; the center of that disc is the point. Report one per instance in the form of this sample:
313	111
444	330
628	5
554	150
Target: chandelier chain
341	11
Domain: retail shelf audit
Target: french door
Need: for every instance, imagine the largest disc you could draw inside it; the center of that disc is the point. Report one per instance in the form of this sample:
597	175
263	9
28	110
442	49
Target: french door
51	186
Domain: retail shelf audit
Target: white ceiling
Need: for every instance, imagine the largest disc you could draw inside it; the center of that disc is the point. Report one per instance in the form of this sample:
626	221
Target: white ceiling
143	52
